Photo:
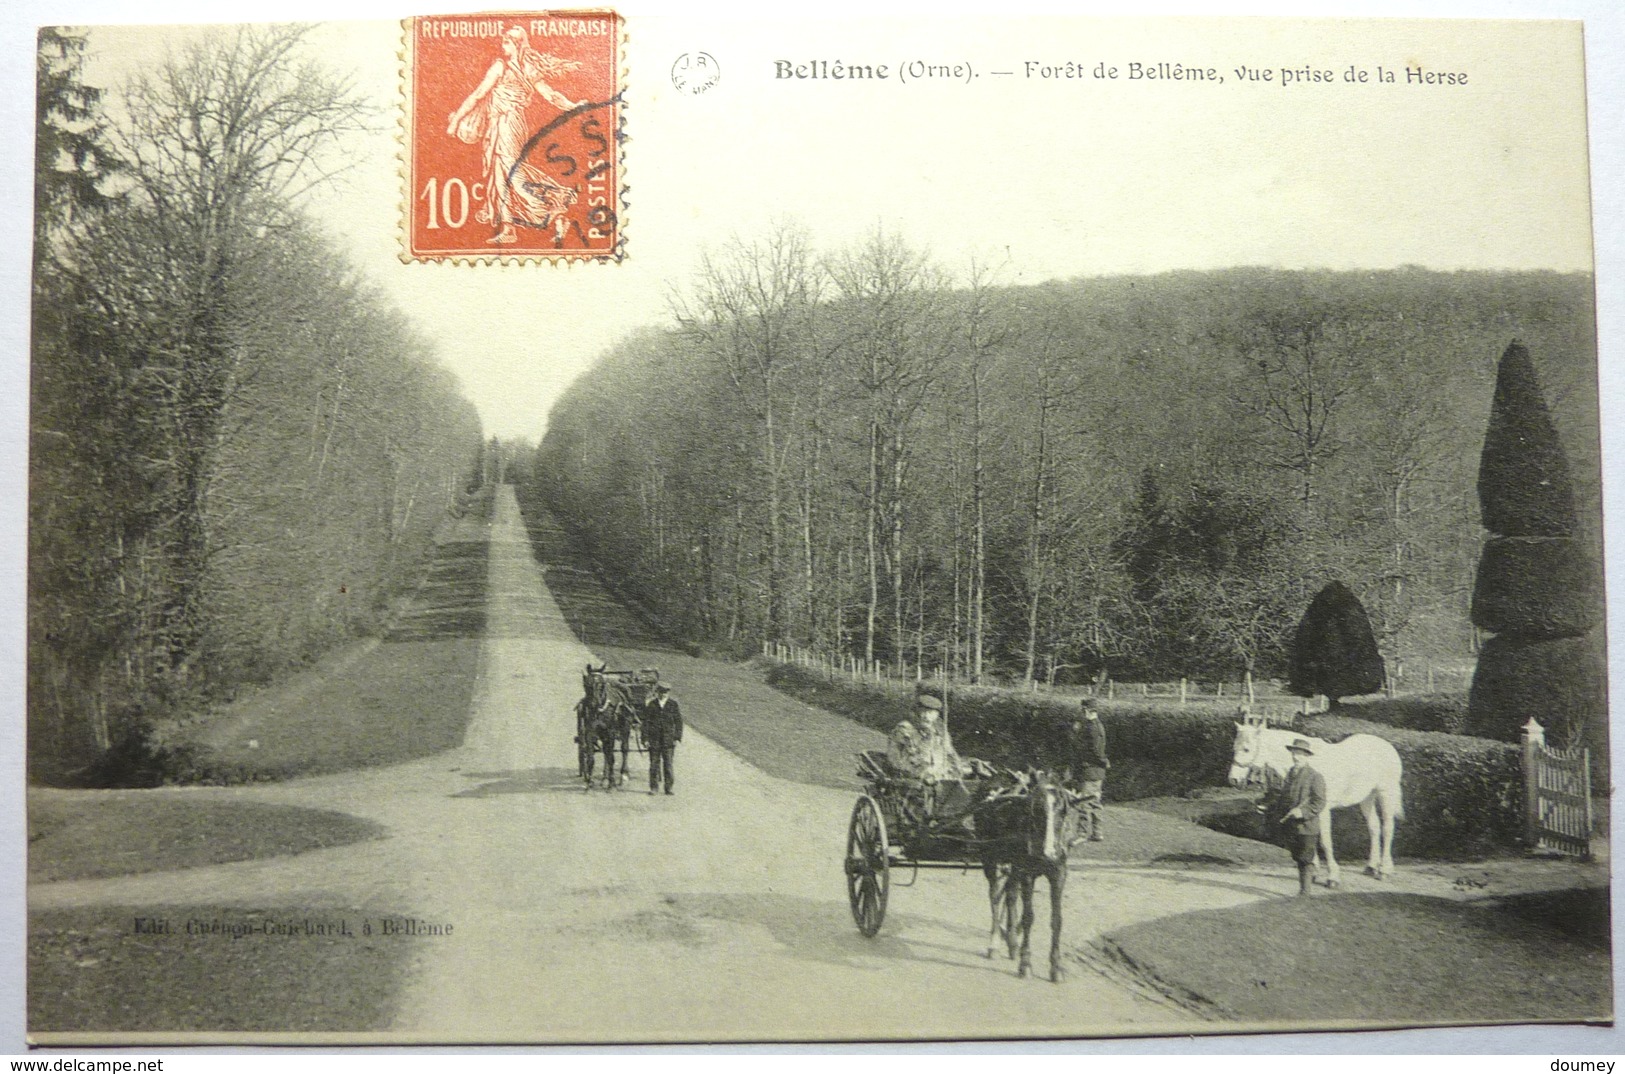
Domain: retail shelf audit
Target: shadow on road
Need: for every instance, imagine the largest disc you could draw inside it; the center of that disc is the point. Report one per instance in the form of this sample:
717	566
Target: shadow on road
821	931
1242	884
522	781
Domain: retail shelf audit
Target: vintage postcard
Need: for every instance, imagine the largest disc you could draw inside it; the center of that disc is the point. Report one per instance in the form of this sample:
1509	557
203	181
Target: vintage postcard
572	526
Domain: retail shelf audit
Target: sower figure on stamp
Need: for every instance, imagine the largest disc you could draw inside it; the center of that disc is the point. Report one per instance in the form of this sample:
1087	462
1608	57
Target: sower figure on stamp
1305	794
1087	764
662	730
517	193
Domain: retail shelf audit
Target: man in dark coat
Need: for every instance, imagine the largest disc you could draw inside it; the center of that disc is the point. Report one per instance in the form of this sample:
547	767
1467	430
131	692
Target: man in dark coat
662	730
1087	764
1305	797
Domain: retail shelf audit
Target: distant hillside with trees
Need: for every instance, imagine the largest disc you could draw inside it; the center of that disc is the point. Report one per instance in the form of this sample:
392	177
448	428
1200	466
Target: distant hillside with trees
1137	476
238	450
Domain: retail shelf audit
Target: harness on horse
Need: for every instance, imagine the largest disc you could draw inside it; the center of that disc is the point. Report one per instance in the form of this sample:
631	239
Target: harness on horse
606	716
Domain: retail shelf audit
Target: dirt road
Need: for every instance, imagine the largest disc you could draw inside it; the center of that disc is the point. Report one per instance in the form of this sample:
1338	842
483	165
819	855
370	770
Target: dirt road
716	914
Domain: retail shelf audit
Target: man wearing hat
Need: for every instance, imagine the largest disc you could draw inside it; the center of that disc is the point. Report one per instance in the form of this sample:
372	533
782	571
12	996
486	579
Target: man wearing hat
921	748
938	761
662	730
1087	764
1305	794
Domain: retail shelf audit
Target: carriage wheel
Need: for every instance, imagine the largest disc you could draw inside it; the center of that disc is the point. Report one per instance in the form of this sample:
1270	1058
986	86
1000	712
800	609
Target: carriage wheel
868	866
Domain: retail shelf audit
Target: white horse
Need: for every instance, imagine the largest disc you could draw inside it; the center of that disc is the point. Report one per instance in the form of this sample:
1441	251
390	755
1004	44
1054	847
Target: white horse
1361	770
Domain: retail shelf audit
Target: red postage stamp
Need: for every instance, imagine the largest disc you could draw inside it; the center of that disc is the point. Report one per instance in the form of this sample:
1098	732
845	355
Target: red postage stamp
513	129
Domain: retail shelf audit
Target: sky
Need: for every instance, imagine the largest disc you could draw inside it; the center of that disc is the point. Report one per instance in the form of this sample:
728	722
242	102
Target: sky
1041	177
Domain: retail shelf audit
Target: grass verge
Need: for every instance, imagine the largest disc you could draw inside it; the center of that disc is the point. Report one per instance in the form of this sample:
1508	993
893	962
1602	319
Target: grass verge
89	970
394	702
80	836
378	703
1380	959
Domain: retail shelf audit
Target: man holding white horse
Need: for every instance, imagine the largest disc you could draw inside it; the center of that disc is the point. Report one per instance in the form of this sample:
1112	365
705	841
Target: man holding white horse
1362	770
1305	794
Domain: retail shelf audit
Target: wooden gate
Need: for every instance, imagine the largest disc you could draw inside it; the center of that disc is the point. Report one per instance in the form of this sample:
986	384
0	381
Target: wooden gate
1557	795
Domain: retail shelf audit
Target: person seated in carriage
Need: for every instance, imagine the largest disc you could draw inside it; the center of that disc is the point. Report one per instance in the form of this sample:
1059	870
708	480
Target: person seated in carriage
922	749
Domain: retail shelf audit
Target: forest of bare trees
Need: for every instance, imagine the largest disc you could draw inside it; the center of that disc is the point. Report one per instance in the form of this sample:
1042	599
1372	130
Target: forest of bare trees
857	451
238	448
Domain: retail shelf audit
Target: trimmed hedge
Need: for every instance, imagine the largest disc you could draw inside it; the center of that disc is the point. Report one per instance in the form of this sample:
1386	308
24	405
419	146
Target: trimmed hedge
1536	586
1463	796
1155	750
1442	713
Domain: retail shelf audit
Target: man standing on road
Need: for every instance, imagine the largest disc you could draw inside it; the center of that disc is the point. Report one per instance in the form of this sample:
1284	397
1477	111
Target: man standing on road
1305	793
662	730
1088	764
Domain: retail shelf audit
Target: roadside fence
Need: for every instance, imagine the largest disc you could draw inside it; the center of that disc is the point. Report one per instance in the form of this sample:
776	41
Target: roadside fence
1423	677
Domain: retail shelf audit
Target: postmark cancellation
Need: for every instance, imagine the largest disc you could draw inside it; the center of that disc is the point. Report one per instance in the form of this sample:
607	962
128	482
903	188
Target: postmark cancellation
513	137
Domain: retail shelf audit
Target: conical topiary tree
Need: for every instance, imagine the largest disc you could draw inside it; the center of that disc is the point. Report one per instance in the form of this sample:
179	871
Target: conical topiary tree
1334	652
1523	474
1537	586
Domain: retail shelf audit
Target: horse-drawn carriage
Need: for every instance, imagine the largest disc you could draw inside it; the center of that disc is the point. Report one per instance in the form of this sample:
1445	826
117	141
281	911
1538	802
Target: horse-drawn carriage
609	715
1017	826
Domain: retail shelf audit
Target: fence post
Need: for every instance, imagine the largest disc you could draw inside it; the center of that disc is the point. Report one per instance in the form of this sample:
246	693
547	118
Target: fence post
1585	769
1534	737
1182	689
1111	689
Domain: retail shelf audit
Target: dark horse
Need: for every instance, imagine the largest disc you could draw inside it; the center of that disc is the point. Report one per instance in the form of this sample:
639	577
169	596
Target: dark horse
1026	830
604	718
